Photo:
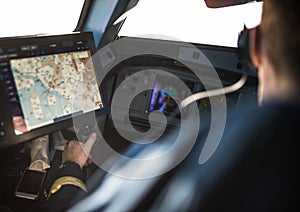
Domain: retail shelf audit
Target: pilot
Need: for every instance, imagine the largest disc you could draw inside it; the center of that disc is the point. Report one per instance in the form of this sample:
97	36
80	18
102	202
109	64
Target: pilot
254	167
69	180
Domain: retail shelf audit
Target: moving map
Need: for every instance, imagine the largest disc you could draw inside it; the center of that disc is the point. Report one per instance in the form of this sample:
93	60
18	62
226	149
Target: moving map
51	87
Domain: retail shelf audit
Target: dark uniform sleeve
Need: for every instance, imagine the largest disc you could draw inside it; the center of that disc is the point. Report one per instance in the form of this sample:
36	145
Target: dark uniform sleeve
67	183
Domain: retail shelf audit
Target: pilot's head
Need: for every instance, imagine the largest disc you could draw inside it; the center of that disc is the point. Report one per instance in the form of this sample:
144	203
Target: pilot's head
274	50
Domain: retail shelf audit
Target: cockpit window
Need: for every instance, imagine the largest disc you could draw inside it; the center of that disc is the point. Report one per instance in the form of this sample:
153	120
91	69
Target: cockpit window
190	21
31	17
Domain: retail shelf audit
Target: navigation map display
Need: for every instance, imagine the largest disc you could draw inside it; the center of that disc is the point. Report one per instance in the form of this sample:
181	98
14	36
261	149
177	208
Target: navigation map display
46	80
53	86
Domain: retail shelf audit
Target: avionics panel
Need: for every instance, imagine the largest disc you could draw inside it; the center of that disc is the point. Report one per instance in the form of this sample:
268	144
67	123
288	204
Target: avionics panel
45	81
158	98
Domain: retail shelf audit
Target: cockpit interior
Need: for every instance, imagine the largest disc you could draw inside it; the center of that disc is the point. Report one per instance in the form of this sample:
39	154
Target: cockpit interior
156	80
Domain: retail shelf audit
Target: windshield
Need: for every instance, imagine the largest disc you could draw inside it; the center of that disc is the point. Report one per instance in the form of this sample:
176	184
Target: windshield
39	16
190	21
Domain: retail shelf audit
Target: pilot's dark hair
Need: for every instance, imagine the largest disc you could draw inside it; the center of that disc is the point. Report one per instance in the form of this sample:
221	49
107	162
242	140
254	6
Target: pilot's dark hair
280	36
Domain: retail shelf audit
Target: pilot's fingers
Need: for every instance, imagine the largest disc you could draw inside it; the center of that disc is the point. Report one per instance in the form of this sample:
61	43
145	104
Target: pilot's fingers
87	146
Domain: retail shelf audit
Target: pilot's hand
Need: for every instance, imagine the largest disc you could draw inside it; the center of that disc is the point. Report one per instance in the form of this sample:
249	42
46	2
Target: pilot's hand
78	152
19	124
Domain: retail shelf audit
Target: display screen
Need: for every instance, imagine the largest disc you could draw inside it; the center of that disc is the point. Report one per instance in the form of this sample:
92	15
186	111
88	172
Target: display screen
165	94
48	81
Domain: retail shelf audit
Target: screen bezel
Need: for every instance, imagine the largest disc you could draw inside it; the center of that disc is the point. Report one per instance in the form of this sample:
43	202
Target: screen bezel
7	134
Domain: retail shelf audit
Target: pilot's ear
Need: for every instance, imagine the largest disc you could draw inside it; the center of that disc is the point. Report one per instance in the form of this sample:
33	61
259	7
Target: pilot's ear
254	46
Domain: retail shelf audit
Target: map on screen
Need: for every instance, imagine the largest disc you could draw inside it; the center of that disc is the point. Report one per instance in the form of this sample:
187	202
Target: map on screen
51	87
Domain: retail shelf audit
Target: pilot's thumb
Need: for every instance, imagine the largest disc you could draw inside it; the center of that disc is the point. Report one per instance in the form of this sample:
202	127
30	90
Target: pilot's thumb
87	146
